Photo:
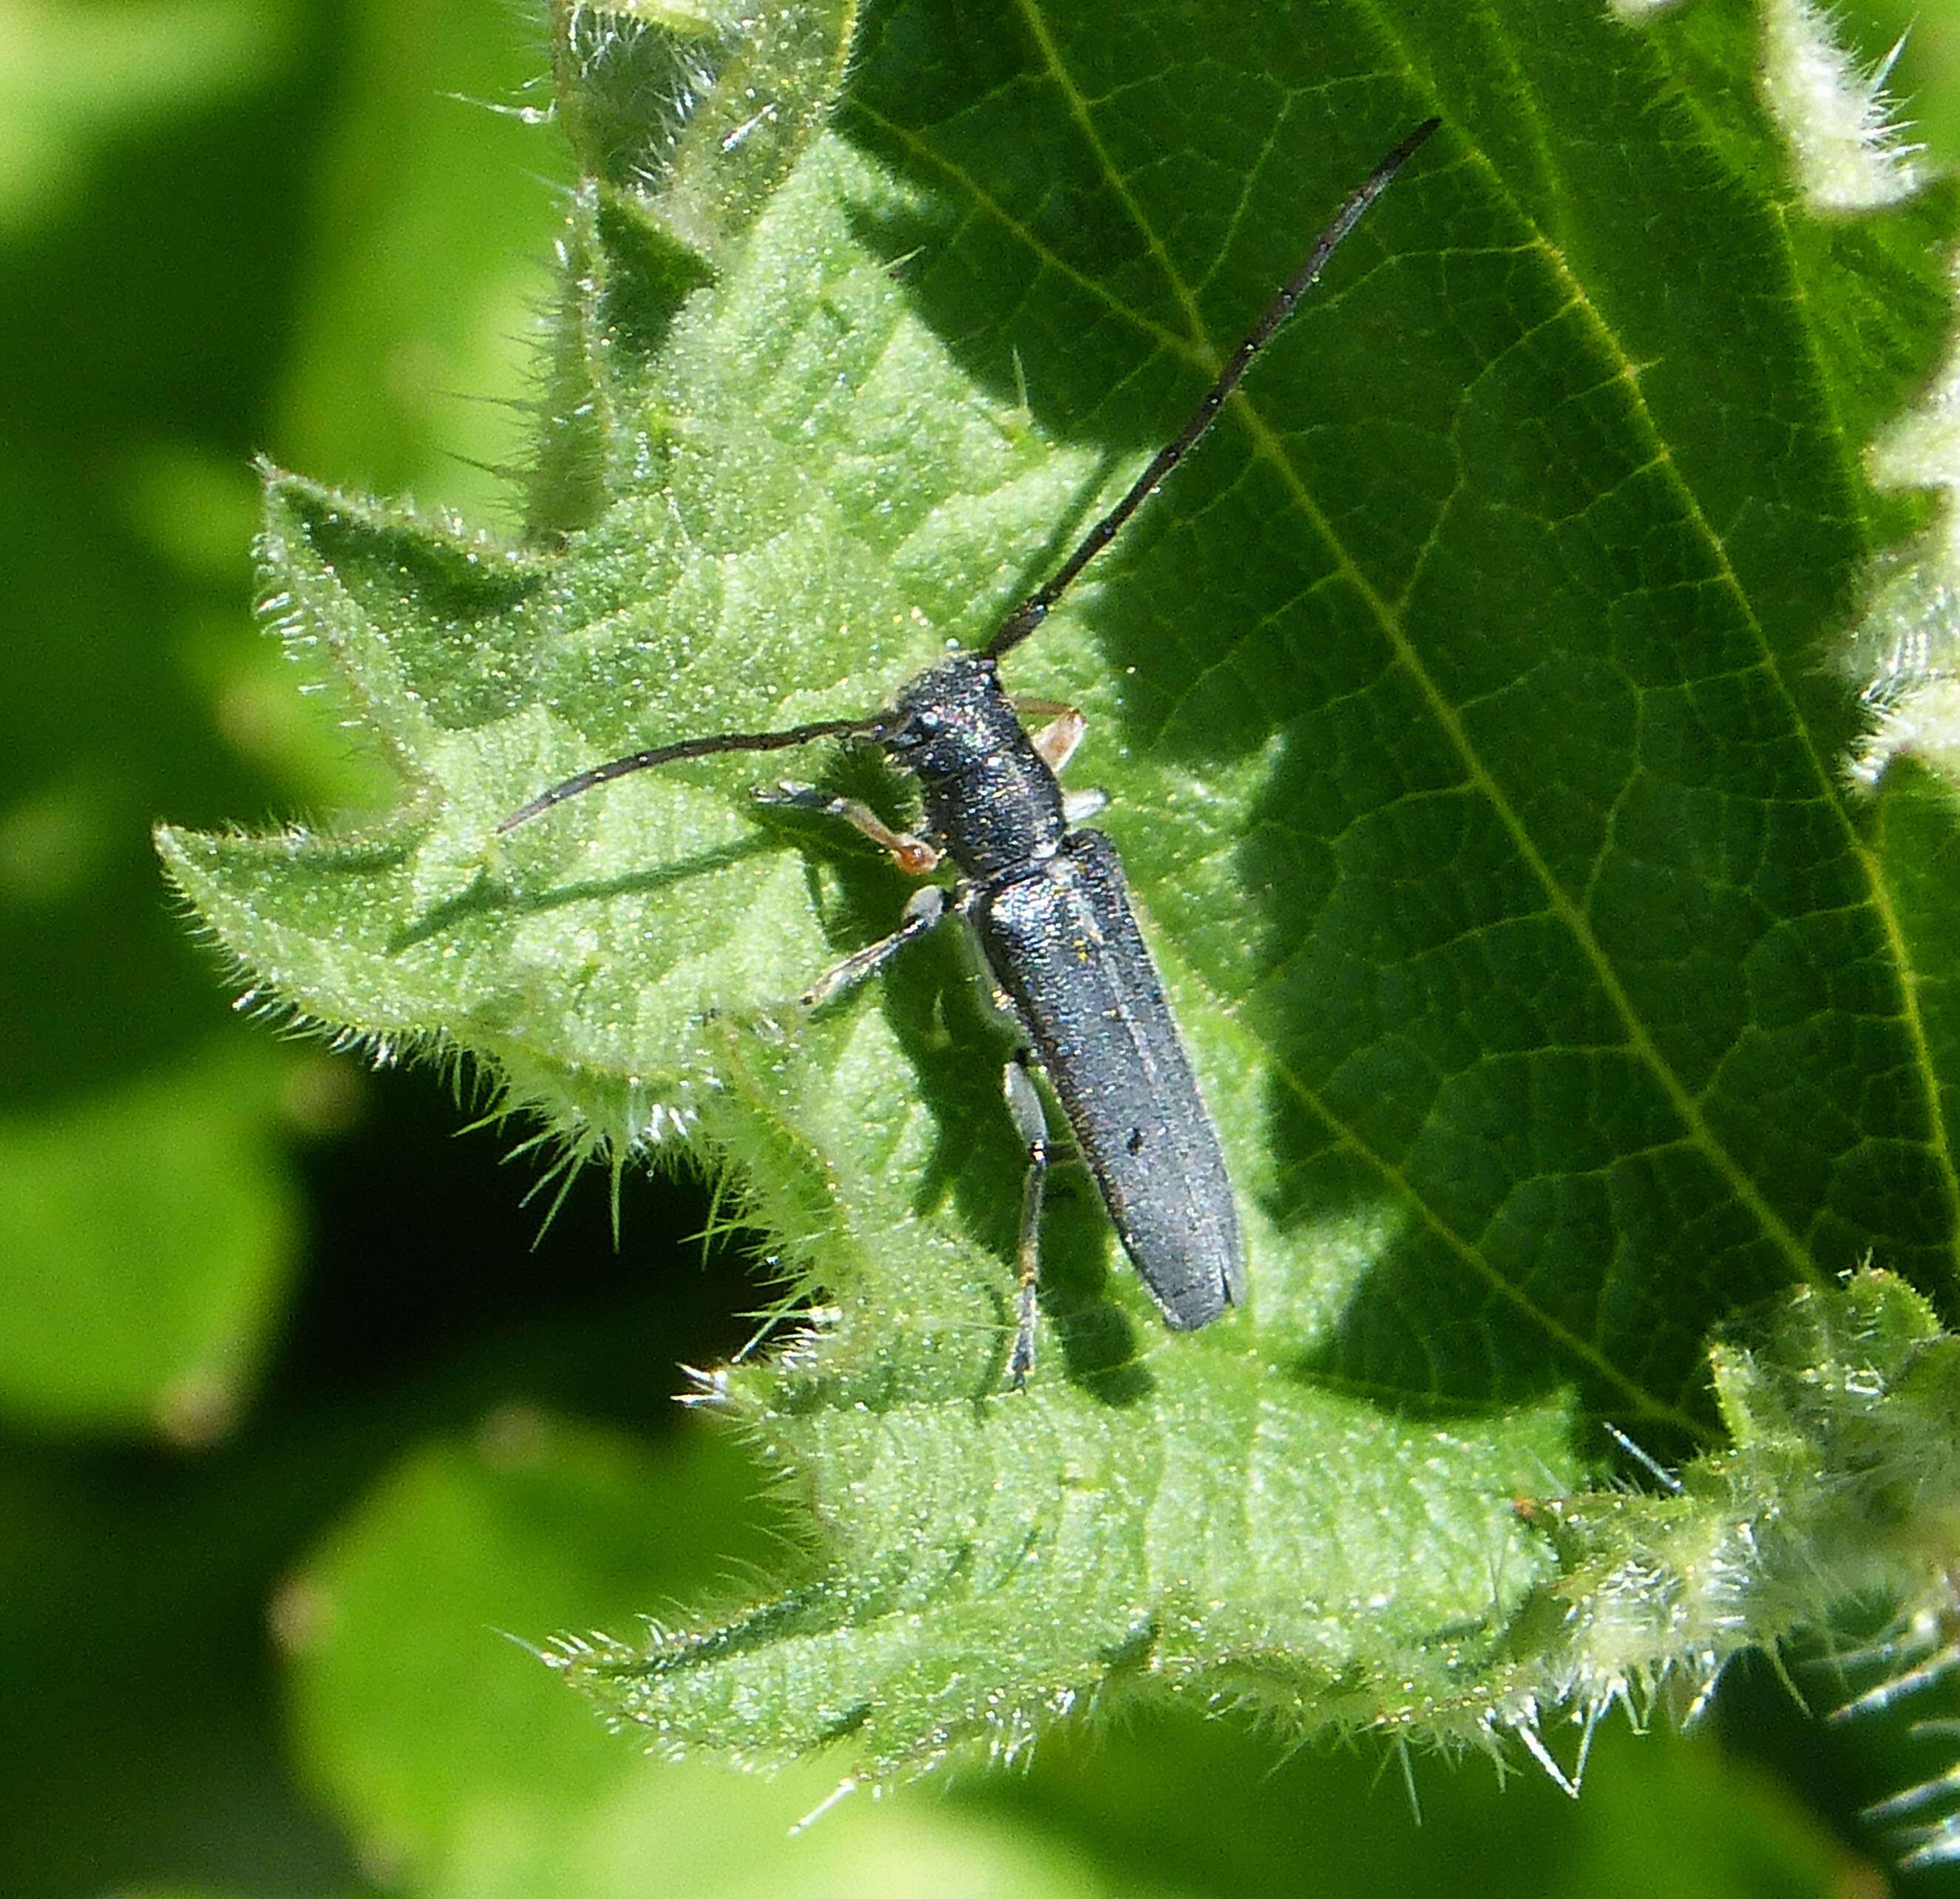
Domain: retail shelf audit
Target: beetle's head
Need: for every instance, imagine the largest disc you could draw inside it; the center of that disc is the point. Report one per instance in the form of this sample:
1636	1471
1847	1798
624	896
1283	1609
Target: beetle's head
948	720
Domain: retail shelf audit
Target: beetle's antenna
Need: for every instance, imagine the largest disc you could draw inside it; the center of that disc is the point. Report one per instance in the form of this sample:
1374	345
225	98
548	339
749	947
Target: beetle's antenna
1034	610
689	748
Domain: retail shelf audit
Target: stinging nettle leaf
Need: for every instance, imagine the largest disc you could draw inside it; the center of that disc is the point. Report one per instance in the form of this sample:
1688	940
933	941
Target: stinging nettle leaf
1463	708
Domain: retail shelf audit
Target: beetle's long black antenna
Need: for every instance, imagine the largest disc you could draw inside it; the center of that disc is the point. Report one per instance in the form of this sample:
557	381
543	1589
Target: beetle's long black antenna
688	748
1034	610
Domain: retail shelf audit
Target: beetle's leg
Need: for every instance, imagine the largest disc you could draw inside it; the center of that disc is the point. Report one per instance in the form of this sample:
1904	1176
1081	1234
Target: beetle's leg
1055	743
923	908
1030	1120
913	856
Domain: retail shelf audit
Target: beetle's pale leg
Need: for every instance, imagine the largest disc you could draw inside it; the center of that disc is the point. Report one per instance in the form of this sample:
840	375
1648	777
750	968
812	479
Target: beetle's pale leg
923	908
1055	743
913	856
1030	1120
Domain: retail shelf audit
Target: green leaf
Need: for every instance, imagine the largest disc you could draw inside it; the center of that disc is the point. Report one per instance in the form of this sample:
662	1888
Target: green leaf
460	1767
1463	709
434	207
147	1236
416	1583
74	83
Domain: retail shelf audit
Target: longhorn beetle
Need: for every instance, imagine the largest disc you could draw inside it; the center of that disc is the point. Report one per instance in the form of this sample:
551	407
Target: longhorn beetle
1048	904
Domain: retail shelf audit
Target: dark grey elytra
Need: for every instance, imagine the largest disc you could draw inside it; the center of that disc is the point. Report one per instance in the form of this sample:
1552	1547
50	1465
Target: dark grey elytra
1047	903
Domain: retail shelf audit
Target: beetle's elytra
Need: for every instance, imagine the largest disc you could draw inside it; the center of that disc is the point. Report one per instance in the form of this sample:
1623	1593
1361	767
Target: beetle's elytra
1047	906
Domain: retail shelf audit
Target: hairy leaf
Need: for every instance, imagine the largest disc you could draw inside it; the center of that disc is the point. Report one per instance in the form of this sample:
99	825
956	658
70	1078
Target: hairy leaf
1462	710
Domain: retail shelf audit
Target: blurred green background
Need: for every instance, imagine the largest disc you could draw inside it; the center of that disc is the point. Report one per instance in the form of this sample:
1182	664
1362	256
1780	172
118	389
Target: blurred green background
299	1417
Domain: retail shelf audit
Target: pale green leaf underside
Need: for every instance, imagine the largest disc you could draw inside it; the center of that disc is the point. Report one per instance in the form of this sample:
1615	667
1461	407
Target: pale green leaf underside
1460	711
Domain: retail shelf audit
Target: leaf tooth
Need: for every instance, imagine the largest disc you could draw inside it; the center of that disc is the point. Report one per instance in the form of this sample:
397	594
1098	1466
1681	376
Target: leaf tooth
416	615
